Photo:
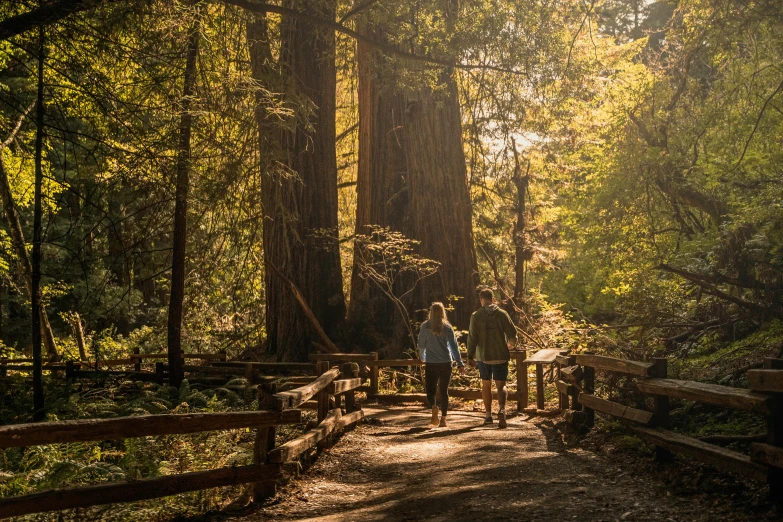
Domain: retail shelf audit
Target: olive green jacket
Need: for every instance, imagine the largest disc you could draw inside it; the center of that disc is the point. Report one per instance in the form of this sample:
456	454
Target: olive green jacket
490	329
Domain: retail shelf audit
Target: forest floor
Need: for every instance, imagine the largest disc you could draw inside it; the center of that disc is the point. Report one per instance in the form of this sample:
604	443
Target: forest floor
395	467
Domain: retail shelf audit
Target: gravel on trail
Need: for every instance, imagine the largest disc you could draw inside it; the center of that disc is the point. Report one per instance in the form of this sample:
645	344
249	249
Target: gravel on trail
396	467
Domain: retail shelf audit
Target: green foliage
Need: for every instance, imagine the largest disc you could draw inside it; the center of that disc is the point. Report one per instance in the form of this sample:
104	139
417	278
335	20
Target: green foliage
26	470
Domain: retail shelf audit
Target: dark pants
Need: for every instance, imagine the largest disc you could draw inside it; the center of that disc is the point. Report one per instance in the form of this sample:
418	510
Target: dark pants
436	379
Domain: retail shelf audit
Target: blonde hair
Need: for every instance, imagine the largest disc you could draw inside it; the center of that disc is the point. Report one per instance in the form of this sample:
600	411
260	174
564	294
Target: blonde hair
438	318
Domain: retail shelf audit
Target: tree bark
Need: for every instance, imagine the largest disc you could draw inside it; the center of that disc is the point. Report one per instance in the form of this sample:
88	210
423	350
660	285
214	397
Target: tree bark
382	197
412	178
180	213
522	248
78	335
300	199
439	201
35	286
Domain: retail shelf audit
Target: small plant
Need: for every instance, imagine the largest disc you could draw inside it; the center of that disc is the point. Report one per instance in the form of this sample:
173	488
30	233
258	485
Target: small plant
388	259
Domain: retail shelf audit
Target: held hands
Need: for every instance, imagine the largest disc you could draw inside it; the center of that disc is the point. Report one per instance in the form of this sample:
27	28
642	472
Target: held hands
462	370
472	363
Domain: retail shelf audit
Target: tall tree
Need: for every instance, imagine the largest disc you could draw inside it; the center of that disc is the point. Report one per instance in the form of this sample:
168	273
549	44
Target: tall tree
300	192
439	201
412	177
381	182
18	243
35	293
181	210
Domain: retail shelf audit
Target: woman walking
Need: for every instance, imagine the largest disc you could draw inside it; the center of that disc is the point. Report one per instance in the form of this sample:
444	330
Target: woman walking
438	350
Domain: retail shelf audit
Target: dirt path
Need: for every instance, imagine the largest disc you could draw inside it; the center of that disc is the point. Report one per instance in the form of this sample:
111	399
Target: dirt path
397	468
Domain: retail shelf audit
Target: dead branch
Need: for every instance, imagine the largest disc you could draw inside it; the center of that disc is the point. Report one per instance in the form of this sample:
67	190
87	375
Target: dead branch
329	346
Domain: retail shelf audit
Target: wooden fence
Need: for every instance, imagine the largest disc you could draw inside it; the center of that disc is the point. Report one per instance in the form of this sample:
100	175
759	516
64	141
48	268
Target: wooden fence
330	388
134	360
576	385
374	366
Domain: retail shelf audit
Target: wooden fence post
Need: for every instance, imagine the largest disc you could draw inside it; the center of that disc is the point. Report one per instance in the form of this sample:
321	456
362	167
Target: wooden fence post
562	398
348	372
574	393
323	396
589	387
661	406
136	362
540	404
775	438
249	373
374	374
69	371
265	442
522	384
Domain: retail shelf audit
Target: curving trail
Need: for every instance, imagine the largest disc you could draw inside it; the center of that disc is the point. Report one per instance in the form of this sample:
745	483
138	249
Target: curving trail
397	468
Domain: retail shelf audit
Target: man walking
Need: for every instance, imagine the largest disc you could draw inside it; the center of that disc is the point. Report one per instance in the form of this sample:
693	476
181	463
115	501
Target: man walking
490	337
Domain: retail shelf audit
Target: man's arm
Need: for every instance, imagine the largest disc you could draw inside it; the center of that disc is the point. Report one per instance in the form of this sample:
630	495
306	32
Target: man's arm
454	347
472	339
510	330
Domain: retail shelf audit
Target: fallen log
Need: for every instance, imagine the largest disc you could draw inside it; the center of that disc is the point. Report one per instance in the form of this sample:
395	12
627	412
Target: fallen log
328	346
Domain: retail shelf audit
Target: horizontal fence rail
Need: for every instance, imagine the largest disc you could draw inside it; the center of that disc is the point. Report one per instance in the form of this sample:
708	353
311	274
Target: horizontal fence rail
764	397
144	489
331	387
20	435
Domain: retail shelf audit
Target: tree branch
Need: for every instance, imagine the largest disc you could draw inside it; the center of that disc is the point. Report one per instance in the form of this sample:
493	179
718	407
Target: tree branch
256	7
330	346
709	287
47	13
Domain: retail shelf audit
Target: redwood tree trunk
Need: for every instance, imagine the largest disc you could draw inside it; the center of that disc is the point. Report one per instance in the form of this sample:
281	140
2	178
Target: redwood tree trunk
300	201
382	196
440	210
412	177
177	295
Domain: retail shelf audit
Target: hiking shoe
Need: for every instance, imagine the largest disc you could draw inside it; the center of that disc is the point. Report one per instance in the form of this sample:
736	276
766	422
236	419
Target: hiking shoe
435	416
501	419
487	420
442	422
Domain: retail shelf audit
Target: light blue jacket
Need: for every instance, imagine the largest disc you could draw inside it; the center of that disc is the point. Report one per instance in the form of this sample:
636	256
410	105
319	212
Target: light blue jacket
438	349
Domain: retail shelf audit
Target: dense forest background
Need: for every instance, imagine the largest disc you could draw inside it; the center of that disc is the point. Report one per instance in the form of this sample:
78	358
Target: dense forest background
223	175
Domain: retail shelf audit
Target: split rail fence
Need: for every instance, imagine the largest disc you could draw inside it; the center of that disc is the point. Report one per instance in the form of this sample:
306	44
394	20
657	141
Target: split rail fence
764	396
330	388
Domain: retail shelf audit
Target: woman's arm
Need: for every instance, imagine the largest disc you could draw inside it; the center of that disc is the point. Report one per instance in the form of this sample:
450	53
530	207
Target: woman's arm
454	347
422	342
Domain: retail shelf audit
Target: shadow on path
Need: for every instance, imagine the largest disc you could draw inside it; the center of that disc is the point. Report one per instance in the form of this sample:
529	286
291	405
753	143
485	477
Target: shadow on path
399	468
